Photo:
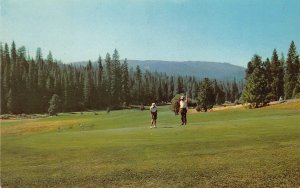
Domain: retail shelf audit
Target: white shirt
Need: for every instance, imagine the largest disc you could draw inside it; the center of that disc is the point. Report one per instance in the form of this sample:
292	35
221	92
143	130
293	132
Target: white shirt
153	109
183	104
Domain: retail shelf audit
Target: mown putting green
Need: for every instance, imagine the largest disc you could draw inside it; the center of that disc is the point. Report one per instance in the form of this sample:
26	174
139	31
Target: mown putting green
232	148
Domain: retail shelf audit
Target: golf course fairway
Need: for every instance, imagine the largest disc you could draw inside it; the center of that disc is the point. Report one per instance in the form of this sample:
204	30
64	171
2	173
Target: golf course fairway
229	148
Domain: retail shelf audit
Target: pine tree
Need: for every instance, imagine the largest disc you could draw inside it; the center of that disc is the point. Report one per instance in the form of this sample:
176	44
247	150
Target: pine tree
13	52
39	55
72	88
88	86
267	71
297	66
290	72
228	92
180	85
50	58
50	62
125	83
234	91
32	104
296	90
99	85
3	84
159	92
219	93
116	86
166	91
172	87
147	87
13	99
23	90
249	69
195	90
206	98
11	102
108	79
138	85
7	63
256	83
277	73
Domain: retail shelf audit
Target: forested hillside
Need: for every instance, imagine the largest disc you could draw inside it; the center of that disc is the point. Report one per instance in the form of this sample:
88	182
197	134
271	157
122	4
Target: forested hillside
198	69
28	84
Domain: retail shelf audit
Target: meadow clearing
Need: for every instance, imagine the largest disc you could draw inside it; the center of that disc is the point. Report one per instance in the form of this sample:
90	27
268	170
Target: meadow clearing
228	148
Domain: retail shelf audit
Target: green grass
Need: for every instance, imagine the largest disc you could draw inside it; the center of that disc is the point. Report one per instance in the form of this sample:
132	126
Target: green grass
232	148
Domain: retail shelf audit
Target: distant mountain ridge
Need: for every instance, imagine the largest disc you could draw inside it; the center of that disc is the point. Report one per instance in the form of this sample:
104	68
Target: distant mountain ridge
199	69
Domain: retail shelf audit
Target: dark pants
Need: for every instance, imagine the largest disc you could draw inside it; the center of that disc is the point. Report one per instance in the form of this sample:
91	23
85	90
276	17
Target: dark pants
183	112
154	115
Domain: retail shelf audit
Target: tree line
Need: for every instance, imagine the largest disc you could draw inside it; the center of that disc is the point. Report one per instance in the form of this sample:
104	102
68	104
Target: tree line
273	79
29	84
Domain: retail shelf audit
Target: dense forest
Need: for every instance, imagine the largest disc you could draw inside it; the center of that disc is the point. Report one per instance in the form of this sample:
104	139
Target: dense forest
31	85
272	79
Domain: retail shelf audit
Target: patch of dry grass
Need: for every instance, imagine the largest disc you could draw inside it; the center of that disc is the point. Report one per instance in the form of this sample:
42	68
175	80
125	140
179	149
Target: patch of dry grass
32	126
295	105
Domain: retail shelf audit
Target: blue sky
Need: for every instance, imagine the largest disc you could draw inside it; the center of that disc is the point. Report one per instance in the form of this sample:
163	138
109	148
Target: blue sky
212	30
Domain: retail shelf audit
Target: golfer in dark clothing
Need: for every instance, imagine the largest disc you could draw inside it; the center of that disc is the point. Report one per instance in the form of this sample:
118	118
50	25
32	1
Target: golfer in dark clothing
183	110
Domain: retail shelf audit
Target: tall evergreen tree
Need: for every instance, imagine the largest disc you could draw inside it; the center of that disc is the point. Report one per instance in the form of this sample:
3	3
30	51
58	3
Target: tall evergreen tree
296	90
6	74
234	91
180	85
267	72
166	91
13	52
249	69
159	92
206	98
39	55
255	88
290	72
277	73
138	85
88	86
3	84
116	86
100	85
172	87
125	83
219	94
50	57
108	78
16	103
12	96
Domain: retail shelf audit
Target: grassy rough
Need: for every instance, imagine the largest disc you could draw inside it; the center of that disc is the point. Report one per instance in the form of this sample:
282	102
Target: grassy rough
232	148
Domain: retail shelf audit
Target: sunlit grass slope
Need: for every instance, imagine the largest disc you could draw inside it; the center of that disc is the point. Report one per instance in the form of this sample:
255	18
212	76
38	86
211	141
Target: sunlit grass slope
232	148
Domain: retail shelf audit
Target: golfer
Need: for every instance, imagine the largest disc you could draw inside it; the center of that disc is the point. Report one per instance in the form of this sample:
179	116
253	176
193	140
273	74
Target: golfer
153	111
183	109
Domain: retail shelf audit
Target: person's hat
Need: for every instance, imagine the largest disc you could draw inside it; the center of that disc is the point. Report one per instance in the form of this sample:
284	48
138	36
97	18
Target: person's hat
153	104
182	97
